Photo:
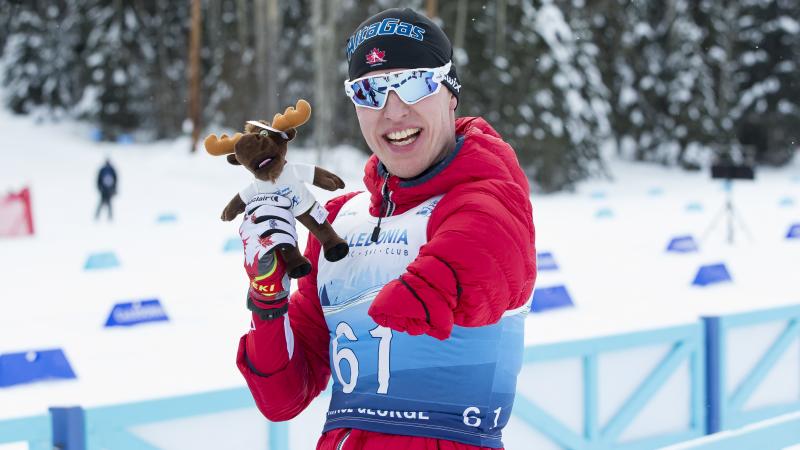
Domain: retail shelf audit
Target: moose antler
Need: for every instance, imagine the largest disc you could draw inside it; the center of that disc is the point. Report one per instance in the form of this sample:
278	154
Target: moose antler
293	117
222	145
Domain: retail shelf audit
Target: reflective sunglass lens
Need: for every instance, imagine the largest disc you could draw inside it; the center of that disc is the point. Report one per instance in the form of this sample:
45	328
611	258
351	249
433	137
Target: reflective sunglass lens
410	86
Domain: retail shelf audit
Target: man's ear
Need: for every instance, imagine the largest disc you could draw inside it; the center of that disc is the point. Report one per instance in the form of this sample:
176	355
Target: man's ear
232	159
453	102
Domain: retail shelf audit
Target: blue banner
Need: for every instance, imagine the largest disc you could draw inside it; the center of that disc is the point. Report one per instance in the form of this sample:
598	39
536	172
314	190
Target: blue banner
794	232
166	218
133	313
712	274
105	260
550	298
28	367
604	213
546	261
694	207
682	244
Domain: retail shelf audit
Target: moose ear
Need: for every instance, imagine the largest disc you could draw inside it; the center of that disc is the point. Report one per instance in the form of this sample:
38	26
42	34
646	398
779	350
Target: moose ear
291	132
232	159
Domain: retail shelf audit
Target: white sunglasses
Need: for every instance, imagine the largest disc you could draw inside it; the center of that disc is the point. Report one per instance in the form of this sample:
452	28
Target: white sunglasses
411	85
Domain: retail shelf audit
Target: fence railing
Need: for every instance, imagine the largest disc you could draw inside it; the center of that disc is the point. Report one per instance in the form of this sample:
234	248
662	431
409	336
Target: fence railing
754	366
632	391
599	363
34	431
779	433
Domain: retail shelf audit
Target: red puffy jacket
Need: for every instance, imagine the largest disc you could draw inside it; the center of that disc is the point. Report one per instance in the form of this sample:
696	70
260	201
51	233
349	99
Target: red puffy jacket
479	261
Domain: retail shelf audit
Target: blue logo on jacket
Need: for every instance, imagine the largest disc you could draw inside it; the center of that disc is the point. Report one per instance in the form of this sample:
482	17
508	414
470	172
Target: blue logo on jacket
427	210
391	236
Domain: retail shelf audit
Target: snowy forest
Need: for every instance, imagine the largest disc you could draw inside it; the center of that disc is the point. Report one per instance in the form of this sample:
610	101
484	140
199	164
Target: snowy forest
675	82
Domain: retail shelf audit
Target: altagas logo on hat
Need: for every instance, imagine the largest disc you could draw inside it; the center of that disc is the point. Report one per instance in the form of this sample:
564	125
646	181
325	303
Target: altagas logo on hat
386	27
375	56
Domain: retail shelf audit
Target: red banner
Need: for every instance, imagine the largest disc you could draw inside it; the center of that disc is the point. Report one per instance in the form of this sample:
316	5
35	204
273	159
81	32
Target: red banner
16	218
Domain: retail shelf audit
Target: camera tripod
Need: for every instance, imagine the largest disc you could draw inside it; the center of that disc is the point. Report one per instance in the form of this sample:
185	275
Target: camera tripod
729	212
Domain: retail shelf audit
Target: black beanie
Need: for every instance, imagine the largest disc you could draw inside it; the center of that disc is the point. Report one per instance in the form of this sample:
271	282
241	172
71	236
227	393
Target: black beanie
400	39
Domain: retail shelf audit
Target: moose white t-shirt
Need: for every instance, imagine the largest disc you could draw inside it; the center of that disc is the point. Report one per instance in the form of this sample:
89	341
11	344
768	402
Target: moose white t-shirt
291	184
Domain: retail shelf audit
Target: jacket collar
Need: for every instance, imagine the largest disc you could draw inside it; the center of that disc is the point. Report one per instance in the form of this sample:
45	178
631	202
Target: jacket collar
479	154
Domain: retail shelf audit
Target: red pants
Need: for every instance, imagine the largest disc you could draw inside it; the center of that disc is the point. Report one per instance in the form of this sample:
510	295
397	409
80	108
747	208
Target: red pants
370	440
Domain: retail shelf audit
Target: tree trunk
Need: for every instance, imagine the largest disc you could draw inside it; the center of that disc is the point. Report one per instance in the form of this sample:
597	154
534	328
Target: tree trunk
499	50
267	56
431	8
325	83
500	31
273	59
242	24
170	115
319	77
727	93
461	24
194	72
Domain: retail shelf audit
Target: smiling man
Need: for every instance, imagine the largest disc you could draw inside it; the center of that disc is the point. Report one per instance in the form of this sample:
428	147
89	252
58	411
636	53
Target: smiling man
420	328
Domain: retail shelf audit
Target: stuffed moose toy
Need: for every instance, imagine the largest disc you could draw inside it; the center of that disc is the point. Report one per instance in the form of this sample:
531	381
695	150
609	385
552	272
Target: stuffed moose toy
261	149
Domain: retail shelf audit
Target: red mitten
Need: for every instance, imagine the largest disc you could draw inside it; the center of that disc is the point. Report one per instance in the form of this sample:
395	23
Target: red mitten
400	307
267	225
268	295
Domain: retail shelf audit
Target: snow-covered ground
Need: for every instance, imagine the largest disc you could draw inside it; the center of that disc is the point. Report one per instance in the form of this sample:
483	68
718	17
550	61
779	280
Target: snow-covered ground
616	268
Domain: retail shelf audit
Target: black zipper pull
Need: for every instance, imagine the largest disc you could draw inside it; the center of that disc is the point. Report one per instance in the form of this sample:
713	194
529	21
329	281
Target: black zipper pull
384	206
376	231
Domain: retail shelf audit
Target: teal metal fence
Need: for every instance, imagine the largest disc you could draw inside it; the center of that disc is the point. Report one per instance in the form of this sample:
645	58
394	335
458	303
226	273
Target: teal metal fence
778	433
718	391
684	343
110	427
728	398
35	431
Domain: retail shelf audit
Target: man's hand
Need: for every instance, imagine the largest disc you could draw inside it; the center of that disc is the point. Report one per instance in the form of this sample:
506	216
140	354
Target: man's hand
268	225
399	306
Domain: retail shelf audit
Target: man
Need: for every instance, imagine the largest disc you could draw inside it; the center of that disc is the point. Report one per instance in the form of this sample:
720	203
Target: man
107	185
421	324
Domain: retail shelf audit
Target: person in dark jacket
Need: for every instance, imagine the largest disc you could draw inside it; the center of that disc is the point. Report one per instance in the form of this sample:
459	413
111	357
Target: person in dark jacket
107	185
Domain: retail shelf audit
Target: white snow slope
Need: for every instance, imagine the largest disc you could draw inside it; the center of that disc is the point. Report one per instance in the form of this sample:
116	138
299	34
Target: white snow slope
616	268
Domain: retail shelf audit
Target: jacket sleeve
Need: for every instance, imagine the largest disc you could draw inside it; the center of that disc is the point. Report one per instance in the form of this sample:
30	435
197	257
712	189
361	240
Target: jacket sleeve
479	262
285	361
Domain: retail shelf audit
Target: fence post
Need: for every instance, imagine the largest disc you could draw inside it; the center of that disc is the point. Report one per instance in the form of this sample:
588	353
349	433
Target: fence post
69	428
715	392
278	435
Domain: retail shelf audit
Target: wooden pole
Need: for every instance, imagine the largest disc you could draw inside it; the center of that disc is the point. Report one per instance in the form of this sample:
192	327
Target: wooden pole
432	8
461	24
320	97
500	30
273	58
194	73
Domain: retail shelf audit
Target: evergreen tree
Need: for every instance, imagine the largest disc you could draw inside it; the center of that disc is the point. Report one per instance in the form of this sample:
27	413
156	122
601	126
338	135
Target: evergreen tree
722	27
166	25
767	108
688	102
679	81
230	85
662	91
539	86
118	94
41	56
605	25
7	11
